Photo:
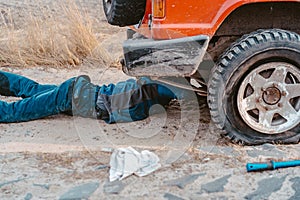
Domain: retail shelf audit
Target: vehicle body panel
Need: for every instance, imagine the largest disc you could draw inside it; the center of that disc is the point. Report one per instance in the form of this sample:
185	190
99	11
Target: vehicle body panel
192	17
176	57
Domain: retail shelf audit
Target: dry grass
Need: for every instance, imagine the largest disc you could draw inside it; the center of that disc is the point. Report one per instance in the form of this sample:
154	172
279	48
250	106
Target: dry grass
49	39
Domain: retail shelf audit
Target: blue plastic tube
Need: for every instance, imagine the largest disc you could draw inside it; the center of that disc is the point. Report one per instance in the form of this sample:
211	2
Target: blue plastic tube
271	165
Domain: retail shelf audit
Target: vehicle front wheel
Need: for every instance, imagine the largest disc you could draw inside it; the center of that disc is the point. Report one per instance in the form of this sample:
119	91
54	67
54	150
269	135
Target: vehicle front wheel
254	91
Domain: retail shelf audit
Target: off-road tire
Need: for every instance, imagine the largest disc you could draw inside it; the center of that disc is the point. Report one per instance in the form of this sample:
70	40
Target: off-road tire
124	12
244	56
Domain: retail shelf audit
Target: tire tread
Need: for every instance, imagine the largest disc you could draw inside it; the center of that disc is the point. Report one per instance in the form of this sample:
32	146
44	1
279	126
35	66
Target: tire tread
239	47
125	13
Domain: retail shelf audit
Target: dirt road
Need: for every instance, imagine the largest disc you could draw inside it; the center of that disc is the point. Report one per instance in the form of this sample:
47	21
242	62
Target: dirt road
63	157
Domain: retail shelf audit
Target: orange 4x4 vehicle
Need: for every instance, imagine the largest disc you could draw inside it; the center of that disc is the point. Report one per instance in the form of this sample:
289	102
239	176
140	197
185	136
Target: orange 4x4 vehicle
245	55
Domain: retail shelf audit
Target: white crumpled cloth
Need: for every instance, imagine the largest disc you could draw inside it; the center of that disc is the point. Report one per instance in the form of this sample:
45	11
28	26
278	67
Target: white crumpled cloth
127	161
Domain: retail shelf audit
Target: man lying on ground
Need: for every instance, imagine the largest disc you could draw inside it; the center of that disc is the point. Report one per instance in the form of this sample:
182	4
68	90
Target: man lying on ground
125	101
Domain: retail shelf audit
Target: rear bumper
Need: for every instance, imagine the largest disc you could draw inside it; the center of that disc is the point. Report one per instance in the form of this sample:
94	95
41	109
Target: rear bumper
175	57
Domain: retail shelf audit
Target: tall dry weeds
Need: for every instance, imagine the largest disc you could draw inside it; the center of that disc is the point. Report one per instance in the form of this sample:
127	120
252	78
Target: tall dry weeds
49	39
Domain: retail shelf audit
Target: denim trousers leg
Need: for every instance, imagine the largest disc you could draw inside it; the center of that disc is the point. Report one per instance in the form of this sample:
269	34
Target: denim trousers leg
20	86
44	103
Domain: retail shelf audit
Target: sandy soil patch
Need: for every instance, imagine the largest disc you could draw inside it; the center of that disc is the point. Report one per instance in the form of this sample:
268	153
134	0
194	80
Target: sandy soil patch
53	157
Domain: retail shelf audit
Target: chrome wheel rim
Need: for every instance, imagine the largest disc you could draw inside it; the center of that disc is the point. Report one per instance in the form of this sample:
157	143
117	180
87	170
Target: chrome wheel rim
269	98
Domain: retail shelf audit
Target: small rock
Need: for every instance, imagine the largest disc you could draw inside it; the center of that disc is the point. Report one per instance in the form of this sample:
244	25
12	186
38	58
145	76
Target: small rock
216	185
295	186
11	182
107	149
45	186
266	187
80	192
267	150
28	134
182	182
100	167
96	138
28	196
113	187
172	197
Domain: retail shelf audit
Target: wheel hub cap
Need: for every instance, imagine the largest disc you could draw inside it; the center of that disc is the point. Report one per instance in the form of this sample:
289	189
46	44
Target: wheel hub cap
271	95
268	99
